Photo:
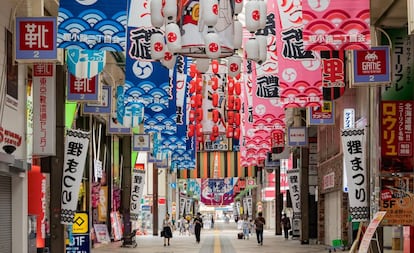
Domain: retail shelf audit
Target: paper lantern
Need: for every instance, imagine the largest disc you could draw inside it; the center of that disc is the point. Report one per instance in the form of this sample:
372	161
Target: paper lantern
209	12
215	99
193	70
200	138
215	131
229	132
215	66
173	37
157	17
216	116
237	104
234	65
157	46
199	100
236	133
168	60
191	115
230	87
199	85
202	65
252	12
237	119
213	137
199	129
199	115
237	88
238	34
230	102
230	117
263	14
170	10
262	42
191	130
214	83
212	45
193	85
252	49
193	102
238	6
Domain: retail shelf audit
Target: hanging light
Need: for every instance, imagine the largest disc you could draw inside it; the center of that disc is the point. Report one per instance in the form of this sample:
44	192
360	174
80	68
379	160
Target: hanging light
157	46
238	34
215	66
170	10
252	49
238	6
234	65
173	37
209	12
252	12
157	16
262	45
212	44
168	60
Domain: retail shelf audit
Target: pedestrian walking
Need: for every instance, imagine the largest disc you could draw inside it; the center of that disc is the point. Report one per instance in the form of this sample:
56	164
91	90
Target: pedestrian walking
166	229
198	223
259	223
285	223
246	228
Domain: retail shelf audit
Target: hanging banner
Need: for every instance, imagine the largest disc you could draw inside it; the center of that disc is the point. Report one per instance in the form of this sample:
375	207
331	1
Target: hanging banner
44	109
333	74
335	25
35	39
104	104
116	225
182	205
353	146
371	66
188	208
76	149
137	188
217	192
82	89
300	69
84	63
293	178
93	24
114	127
324	115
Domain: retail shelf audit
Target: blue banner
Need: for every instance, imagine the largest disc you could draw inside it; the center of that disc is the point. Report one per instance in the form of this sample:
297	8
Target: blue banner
92	24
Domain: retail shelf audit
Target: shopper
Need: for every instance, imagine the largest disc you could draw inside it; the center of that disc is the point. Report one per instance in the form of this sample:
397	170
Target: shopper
166	229
285	223
198	223
246	228
259	223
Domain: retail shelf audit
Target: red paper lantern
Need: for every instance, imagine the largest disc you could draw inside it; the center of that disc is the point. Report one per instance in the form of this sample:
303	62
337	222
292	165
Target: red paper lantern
199	130
236	133
216	116
230	117
215	66
191	130
230	103
237	119
237	88
215	131
199	115
214	83
237	104
229	132
230	86
215	99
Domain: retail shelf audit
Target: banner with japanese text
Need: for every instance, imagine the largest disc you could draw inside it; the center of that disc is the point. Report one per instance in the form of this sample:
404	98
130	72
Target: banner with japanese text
44	109
217	191
76	149
353	146
82	89
137	189
293	178
336	25
396	133
333	74
402	74
96	25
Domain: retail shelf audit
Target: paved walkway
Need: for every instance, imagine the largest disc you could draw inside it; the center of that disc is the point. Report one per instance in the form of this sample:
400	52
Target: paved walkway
222	239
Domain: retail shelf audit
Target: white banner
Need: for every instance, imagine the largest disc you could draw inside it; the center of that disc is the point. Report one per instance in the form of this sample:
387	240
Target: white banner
44	109
137	188
188	206
353	146
76	149
249	206
293	177
182	206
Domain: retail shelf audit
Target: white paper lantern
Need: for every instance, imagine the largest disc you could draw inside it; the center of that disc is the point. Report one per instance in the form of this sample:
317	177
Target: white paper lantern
203	65
263	14
170	11
212	45
238	6
238	34
157	46
234	65
252	49
262	42
157	18
252	12
169	59
209	12
173	37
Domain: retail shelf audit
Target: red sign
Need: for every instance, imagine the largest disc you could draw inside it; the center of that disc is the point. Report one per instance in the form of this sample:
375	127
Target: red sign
43	69
82	85
161	201
397	128
371	62
36	35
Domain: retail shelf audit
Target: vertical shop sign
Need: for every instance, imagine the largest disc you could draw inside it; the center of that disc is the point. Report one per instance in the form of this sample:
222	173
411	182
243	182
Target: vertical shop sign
371	66
36	38
353	146
294	189
76	149
82	88
137	187
44	109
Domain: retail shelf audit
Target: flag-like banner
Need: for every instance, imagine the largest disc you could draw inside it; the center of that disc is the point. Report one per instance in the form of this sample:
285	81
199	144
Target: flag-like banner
293	177
97	24
137	189
336	25
217	191
353	146
76	149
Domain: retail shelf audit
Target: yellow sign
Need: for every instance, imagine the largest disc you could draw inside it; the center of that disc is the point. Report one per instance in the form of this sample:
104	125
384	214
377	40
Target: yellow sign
80	223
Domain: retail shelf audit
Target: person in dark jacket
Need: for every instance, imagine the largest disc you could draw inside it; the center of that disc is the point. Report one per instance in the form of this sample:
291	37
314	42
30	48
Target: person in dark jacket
285	222
198	223
166	229
259	223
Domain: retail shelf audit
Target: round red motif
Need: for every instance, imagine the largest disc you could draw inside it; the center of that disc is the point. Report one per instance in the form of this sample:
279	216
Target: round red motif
234	67
215	9
171	37
158	47
213	47
168	56
256	15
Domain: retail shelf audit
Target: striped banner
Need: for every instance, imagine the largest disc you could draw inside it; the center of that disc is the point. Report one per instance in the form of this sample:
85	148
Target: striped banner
228	166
